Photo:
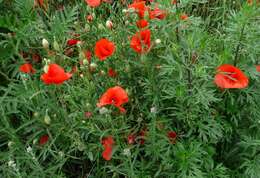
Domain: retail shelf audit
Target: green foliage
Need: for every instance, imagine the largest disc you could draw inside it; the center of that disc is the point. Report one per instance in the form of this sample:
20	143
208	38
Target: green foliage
171	88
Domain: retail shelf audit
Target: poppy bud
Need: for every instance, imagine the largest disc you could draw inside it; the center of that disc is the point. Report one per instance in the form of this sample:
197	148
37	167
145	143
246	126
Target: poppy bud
10	144
47	119
85	62
109	24
35	141
153	110
46	68
81	75
45	43
100	26
102	72
89	18
93	66
56	45
158	41
36	114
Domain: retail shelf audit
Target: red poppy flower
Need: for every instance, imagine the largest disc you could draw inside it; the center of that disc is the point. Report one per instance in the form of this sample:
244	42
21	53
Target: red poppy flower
172	136
104	48
114	96
55	75
229	76
43	139
184	17
93	3
142	23
141	41
107	143
72	42
27	68
112	73
131	139
157	13
258	68
139	7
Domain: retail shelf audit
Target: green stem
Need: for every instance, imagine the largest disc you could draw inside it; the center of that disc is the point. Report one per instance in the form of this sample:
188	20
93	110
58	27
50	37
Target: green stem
239	45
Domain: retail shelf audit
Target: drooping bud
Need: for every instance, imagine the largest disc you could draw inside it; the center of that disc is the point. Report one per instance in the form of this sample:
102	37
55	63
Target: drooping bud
45	43
109	24
47	119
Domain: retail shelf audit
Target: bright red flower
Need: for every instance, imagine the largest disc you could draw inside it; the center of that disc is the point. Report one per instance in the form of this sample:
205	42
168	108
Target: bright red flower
157	13
258	68
115	96
93	3
141	41
107	143
112	72
43	139
229	76
27	68
142	23
131	139
72	42
184	16
139	7
104	48
55	75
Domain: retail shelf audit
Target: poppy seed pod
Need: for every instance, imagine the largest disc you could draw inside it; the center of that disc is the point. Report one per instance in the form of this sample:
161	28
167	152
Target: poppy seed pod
45	43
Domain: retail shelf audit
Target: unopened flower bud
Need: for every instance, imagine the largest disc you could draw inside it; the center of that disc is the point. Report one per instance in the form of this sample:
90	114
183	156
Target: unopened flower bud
109	24
124	10
46	68
56	45
85	62
47	119
10	143
45	43
93	66
158	41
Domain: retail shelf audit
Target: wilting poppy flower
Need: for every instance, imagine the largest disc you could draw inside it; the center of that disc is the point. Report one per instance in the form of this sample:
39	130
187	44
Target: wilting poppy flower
184	17
258	68
131	139
27	68
139	7
157	13
107	143
115	96
55	75
142	23
104	48
172	136
43	139
112	72
72	42
93	3
229	76
141	41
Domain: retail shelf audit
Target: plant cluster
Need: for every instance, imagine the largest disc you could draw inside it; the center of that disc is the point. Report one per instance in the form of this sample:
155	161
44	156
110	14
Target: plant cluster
130	88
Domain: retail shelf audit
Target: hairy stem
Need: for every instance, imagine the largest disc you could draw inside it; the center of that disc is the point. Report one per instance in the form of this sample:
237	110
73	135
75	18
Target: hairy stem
239	45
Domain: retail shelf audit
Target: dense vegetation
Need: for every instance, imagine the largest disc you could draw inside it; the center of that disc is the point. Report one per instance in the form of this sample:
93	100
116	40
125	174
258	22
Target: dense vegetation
167	88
